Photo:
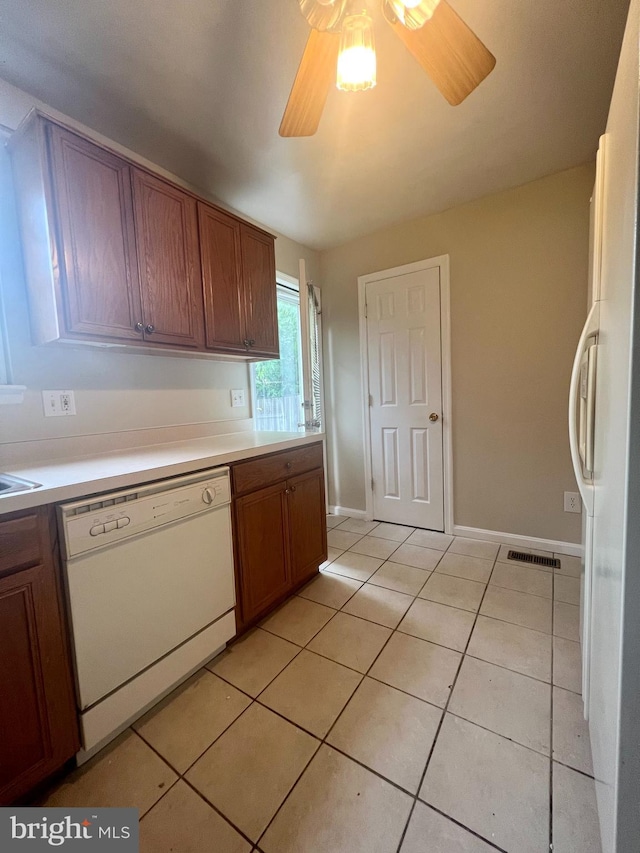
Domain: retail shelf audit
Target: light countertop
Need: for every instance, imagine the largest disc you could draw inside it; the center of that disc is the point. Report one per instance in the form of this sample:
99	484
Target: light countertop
67	479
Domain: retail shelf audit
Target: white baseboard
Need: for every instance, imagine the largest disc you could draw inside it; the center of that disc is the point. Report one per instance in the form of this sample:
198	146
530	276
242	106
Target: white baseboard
348	512
573	549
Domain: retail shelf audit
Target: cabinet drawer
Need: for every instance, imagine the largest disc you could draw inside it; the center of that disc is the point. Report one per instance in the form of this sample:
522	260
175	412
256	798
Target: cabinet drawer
257	473
20	542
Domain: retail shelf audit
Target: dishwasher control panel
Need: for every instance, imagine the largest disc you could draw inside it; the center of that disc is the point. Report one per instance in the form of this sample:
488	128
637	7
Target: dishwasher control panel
100	521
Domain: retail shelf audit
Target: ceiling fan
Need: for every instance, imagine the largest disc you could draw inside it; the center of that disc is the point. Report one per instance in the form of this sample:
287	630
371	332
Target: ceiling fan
342	37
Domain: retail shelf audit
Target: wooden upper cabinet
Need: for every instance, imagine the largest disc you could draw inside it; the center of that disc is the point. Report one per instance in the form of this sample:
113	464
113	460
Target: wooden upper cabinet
259	280
98	272
114	252
221	279
239	279
168	261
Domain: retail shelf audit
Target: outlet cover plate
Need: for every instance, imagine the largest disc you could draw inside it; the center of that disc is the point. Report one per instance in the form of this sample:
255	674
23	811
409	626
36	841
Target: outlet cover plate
237	398
58	404
572	502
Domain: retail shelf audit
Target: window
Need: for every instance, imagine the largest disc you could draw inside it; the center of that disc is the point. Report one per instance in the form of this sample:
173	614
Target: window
287	394
277	385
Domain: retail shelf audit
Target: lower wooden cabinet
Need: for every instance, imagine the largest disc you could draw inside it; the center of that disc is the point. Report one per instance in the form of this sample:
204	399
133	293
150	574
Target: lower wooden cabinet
37	703
307	524
262	530
280	530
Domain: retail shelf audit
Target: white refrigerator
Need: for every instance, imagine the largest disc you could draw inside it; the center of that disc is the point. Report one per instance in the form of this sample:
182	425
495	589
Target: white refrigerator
604	426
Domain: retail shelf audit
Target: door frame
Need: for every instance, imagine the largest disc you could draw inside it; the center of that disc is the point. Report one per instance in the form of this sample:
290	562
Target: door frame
442	262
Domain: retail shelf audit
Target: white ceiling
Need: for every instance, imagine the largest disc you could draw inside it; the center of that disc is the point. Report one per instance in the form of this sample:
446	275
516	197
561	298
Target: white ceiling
199	87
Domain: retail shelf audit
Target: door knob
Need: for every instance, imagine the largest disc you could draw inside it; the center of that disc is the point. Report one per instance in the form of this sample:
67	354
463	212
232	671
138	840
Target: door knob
433	417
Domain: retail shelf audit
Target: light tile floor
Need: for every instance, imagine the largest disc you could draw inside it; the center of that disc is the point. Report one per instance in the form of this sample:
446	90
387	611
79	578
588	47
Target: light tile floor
421	695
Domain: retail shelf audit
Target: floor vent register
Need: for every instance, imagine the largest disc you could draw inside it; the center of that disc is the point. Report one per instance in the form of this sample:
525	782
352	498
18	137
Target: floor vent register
536	559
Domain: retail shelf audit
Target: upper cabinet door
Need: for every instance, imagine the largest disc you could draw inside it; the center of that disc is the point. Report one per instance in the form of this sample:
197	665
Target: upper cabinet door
168	262
259	277
221	269
97	254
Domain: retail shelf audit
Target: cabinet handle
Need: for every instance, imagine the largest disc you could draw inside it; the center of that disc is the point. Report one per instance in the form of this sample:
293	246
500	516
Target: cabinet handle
138	327
149	329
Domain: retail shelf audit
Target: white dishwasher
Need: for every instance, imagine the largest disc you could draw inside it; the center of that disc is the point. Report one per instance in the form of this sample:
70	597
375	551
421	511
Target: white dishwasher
151	591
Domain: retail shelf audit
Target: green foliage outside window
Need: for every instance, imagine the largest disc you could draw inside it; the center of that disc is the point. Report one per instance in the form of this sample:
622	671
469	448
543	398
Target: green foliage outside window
281	378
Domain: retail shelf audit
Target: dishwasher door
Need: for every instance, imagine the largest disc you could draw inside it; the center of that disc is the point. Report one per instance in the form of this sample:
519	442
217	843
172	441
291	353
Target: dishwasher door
137	600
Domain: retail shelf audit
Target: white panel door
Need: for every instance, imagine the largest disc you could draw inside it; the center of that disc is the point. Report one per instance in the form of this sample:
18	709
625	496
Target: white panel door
405	405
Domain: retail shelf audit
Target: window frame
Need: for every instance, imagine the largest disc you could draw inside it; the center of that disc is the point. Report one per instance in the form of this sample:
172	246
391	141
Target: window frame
288	287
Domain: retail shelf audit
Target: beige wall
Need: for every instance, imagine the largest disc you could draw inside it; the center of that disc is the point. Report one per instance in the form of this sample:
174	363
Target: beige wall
114	391
518	302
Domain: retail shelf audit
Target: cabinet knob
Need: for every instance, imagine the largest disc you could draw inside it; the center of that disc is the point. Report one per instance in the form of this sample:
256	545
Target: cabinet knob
247	343
138	327
293	488
287	491
288	465
252	342
150	329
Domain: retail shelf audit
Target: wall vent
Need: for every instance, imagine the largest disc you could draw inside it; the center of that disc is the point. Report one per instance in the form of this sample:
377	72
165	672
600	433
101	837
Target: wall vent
536	559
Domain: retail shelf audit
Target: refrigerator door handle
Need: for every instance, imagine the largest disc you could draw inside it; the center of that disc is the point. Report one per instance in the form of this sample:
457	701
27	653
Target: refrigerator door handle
590	408
589	331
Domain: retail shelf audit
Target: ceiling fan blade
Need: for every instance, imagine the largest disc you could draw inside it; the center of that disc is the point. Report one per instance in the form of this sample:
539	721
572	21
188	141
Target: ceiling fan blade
451	53
315	74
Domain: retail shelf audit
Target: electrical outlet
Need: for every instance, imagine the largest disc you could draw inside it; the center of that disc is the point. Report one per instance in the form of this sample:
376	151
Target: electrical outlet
58	404
572	502
237	398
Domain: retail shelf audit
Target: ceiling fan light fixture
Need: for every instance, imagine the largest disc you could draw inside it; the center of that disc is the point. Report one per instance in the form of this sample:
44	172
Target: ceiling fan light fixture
322	14
357	56
414	14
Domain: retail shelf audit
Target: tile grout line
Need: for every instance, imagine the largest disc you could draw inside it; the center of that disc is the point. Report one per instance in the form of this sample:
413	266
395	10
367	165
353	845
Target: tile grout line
164	761
323	741
444	713
367	674
454	820
363	676
508	669
574	769
397	544
181	777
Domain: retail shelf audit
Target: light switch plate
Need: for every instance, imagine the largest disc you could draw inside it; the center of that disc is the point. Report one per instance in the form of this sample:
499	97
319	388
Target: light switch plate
58	404
237	398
